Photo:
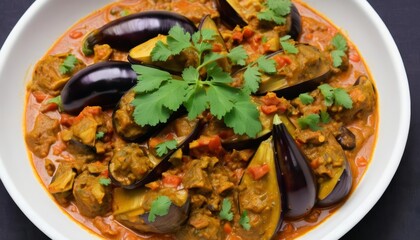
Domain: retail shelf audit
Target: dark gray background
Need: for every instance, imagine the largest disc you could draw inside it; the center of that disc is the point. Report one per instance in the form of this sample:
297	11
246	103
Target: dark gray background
395	216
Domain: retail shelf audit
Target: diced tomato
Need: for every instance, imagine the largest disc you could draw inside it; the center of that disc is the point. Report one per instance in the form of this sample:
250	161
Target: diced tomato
227	228
237	36
247	32
257	172
66	120
105	173
171	180
39	96
282	61
361	162
215	144
217	47
153	142
268	109
49	107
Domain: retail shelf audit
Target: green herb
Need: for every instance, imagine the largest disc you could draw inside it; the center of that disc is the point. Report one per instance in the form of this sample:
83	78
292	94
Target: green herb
340	47
244	221
276	11
309	121
104	181
100	135
336	96
57	100
305	98
226	213
160	207
164	147
124	13
325	117
264	39
155	99
287	45
68	65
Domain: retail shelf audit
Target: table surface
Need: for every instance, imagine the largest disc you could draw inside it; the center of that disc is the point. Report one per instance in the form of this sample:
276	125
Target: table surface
397	213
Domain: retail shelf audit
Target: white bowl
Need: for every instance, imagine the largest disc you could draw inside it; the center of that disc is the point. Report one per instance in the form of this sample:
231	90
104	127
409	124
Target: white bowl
46	20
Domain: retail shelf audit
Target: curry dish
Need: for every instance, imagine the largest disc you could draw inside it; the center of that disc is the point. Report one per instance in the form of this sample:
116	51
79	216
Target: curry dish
210	119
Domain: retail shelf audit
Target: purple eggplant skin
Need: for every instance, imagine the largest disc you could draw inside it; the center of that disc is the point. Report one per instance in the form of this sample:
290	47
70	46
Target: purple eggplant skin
299	181
100	84
296	25
341	190
161	167
129	31
346	139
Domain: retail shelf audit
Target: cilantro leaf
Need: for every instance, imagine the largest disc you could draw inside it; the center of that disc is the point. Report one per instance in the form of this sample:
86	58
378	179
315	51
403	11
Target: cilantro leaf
287	46
164	147
280	7
148	109
266	65
178	39
328	92
310	121
217	74
210	58
252	79
244	221
190	75
149	79
68	65
305	98
57	100
99	135
325	117
202	38
197	101
167	96
221	99
160	52
238	55
226	213
270	16
244	116
340	46
104	181
160	207
343	98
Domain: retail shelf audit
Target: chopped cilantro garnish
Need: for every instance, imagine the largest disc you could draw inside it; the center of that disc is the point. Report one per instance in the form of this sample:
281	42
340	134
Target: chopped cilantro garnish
338	96
244	221
276	11
104	181
68	65
160	207
100	135
340	47
57	100
287	45
325	117
309	121
305	98
155	99
226	213
124	13
164	147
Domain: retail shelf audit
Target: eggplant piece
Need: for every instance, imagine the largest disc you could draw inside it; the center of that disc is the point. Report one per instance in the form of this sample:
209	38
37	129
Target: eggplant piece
124	169
346	138
232	15
132	208
262	195
334	189
310	68
299	181
100	84
129	31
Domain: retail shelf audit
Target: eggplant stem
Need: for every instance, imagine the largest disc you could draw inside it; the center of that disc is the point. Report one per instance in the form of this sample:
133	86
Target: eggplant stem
276	120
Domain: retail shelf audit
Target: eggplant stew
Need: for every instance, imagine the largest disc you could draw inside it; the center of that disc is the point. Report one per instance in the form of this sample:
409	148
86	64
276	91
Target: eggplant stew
211	119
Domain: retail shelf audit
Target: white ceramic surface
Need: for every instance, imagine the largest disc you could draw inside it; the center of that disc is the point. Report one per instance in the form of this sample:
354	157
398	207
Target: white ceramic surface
46	20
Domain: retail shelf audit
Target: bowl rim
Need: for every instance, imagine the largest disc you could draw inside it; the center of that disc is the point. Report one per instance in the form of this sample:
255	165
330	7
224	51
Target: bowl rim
344	227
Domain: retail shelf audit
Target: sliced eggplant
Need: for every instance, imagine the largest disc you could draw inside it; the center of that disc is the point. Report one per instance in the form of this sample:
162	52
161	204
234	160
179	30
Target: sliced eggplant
100	84
346	138
129	31
308	68
133	167
262	194
132	208
233	14
335	188
299	181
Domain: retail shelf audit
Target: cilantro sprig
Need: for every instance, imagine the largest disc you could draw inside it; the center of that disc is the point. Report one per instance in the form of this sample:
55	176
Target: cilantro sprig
276	11
57	100
158	93
339	43
244	221
160	207
104	181
336	96
226	212
164	147
287	45
68	65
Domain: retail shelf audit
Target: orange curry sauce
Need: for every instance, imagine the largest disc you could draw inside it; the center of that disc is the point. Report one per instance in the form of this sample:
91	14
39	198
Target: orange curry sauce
316	30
